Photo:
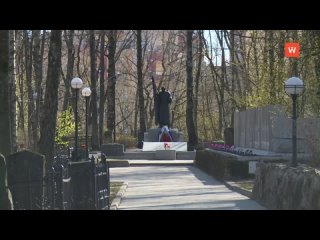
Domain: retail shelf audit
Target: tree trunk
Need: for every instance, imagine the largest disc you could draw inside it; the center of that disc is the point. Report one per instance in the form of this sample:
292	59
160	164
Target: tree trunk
102	89
21	74
28	65
37	66
272	82
233	74
135	123
5	125
140	91
192	136
49	117
93	71
200	58
12	91
111	91
70	64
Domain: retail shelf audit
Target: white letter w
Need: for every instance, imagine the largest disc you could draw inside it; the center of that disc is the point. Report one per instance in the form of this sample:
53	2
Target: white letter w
292	49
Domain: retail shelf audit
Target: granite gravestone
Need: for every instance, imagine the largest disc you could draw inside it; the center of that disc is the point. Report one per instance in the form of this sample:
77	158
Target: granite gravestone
81	185
25	171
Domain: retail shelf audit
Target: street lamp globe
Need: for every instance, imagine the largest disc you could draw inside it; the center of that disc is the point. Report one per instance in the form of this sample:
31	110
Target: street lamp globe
76	83
35	96
86	92
294	86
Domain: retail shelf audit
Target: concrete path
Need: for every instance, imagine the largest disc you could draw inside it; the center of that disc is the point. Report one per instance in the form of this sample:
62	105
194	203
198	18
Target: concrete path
176	187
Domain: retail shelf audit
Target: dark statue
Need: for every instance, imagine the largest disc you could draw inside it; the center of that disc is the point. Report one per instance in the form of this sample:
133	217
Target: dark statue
161	106
164	99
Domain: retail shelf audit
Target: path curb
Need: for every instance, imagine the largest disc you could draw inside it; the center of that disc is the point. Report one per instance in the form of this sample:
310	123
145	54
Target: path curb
117	200
234	187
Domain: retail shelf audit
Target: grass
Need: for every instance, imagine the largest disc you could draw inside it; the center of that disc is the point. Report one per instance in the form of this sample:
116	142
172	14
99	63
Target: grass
247	185
114	189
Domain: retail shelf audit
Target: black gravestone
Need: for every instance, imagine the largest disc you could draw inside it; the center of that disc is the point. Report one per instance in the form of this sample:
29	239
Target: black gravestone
229	136
81	185
25	179
112	149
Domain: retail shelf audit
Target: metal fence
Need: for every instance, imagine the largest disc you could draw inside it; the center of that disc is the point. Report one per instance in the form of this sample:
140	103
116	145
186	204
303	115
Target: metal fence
54	191
101	182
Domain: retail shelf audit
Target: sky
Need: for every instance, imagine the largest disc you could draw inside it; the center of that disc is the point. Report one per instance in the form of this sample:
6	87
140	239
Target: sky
216	46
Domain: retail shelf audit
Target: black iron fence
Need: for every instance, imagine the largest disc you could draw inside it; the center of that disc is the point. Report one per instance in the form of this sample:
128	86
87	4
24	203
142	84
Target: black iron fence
56	190
101	183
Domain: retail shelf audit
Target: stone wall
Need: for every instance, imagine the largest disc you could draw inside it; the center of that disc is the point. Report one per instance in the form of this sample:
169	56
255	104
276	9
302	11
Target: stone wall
268	128
221	165
278	187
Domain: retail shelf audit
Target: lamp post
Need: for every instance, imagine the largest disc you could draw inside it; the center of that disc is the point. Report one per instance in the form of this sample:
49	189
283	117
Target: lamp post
76	84
86	92
294	87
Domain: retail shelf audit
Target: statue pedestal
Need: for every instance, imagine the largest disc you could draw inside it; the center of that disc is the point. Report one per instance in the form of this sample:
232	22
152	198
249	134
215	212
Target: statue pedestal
154	146
166	154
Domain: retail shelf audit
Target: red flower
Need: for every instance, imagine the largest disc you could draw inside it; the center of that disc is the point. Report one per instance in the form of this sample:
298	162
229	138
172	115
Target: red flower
166	145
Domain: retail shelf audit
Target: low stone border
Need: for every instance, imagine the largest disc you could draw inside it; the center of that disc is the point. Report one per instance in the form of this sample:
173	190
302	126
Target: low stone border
116	201
113	163
234	187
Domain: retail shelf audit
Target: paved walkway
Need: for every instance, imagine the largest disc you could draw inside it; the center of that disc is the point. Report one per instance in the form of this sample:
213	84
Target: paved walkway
176	187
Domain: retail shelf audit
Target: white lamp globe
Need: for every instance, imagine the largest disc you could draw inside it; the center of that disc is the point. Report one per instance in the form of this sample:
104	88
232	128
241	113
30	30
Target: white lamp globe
76	83
293	86
86	92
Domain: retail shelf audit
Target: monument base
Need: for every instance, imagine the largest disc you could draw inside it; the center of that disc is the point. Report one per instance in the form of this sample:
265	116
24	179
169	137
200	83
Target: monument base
154	146
166	154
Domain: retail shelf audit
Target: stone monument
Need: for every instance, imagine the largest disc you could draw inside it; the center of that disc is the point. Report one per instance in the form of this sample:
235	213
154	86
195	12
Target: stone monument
152	138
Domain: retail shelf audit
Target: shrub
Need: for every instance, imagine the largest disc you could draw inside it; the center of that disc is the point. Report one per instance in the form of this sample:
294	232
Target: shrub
127	140
65	127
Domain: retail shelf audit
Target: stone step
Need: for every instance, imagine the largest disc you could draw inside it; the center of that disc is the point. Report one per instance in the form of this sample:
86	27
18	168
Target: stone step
134	163
153	146
186	155
180	155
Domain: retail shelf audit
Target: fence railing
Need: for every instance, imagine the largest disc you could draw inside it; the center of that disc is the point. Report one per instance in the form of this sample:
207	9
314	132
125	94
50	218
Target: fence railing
55	190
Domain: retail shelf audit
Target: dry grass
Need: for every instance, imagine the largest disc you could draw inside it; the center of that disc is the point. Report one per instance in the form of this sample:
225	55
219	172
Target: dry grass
246	185
114	189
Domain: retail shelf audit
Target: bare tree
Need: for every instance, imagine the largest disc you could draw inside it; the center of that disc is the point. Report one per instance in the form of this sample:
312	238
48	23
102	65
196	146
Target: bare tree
49	117
140	91
197	78
28	38
12	91
192	135
38	52
5	139
102	89
111	108
69	37
93	98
